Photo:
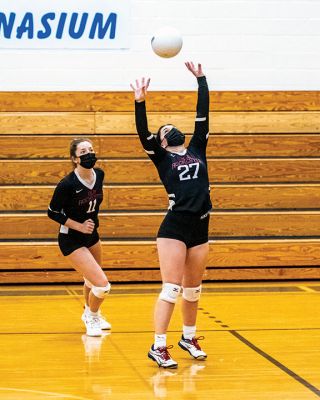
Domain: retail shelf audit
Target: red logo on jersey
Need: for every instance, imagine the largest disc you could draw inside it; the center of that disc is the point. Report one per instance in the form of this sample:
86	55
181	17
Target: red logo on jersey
185	160
91	195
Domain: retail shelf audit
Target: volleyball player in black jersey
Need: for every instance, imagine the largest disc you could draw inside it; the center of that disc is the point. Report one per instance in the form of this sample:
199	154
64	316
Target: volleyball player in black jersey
75	206
182	239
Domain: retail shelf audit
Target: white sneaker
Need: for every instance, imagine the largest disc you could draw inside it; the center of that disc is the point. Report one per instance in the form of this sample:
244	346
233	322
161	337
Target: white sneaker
92	324
162	357
192	346
104	324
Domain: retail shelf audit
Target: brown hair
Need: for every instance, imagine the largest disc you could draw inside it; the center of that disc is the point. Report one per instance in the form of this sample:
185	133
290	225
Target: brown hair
159	131
73	148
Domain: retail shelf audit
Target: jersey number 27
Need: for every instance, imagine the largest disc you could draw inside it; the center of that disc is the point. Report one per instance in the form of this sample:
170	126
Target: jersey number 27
189	171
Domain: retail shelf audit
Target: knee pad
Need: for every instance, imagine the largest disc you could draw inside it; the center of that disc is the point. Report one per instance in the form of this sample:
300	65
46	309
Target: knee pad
170	292
192	294
101	292
87	283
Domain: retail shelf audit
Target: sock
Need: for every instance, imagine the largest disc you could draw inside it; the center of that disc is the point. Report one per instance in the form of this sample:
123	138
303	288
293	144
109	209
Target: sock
189	332
87	309
93	314
160	341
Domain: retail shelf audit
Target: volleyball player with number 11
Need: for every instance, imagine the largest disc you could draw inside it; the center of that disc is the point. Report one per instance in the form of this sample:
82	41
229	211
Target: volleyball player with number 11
75	206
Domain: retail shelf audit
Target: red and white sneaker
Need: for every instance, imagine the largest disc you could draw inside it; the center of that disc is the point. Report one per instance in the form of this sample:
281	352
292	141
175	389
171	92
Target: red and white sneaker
162	357
192	346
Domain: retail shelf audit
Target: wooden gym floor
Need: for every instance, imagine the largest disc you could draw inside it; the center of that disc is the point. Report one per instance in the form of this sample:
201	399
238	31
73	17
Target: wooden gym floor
262	340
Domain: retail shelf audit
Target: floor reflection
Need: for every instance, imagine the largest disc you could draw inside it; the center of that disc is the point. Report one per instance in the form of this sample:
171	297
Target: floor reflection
165	382
92	346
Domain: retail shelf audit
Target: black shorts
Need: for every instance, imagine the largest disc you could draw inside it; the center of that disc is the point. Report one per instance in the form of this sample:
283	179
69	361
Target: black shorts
192	230
69	242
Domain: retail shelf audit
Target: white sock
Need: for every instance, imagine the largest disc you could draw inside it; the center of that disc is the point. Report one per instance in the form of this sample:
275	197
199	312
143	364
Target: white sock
93	314
87	309
189	332
160	340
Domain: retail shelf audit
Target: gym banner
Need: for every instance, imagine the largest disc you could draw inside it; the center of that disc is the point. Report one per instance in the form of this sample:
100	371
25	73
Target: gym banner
65	24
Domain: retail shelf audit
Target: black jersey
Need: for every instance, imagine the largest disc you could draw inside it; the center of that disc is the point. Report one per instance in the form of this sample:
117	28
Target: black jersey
185	175
75	199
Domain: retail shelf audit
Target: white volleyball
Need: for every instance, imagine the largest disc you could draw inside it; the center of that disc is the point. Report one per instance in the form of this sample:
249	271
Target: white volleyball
167	42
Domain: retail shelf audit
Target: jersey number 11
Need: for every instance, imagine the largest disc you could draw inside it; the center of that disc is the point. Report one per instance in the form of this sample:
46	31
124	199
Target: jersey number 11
92	206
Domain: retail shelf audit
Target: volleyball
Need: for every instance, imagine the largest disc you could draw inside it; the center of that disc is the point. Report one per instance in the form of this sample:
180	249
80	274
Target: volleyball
167	42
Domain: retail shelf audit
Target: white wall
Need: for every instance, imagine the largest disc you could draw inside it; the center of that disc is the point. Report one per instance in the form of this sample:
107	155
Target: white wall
242	44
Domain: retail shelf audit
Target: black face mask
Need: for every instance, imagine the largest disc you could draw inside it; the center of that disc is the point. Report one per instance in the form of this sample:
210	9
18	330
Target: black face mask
175	137
88	160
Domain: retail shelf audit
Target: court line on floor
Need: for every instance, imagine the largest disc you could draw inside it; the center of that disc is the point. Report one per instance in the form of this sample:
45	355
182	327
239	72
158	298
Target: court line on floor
169	331
120	351
51	394
307	289
275	362
67	290
262	353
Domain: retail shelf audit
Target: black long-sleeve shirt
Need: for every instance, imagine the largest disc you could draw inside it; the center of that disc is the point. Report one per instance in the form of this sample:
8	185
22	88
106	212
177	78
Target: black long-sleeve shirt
185	175
75	199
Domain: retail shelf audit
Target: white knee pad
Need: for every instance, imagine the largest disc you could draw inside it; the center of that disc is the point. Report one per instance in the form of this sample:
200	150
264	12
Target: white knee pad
87	283
192	294
101	292
170	292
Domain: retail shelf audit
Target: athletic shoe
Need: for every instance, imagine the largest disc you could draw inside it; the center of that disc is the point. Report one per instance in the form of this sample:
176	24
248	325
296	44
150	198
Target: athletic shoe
104	324
192	346
162	357
92	324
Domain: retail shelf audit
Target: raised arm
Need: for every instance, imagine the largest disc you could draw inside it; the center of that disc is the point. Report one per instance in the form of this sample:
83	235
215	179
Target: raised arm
201	129
148	141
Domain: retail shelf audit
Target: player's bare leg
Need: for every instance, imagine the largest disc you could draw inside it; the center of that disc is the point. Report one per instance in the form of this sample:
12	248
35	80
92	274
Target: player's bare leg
172	256
96	251
85	263
194	269
193	272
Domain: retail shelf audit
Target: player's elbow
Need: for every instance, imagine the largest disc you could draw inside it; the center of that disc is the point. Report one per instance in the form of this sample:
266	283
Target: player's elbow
53	214
50	213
